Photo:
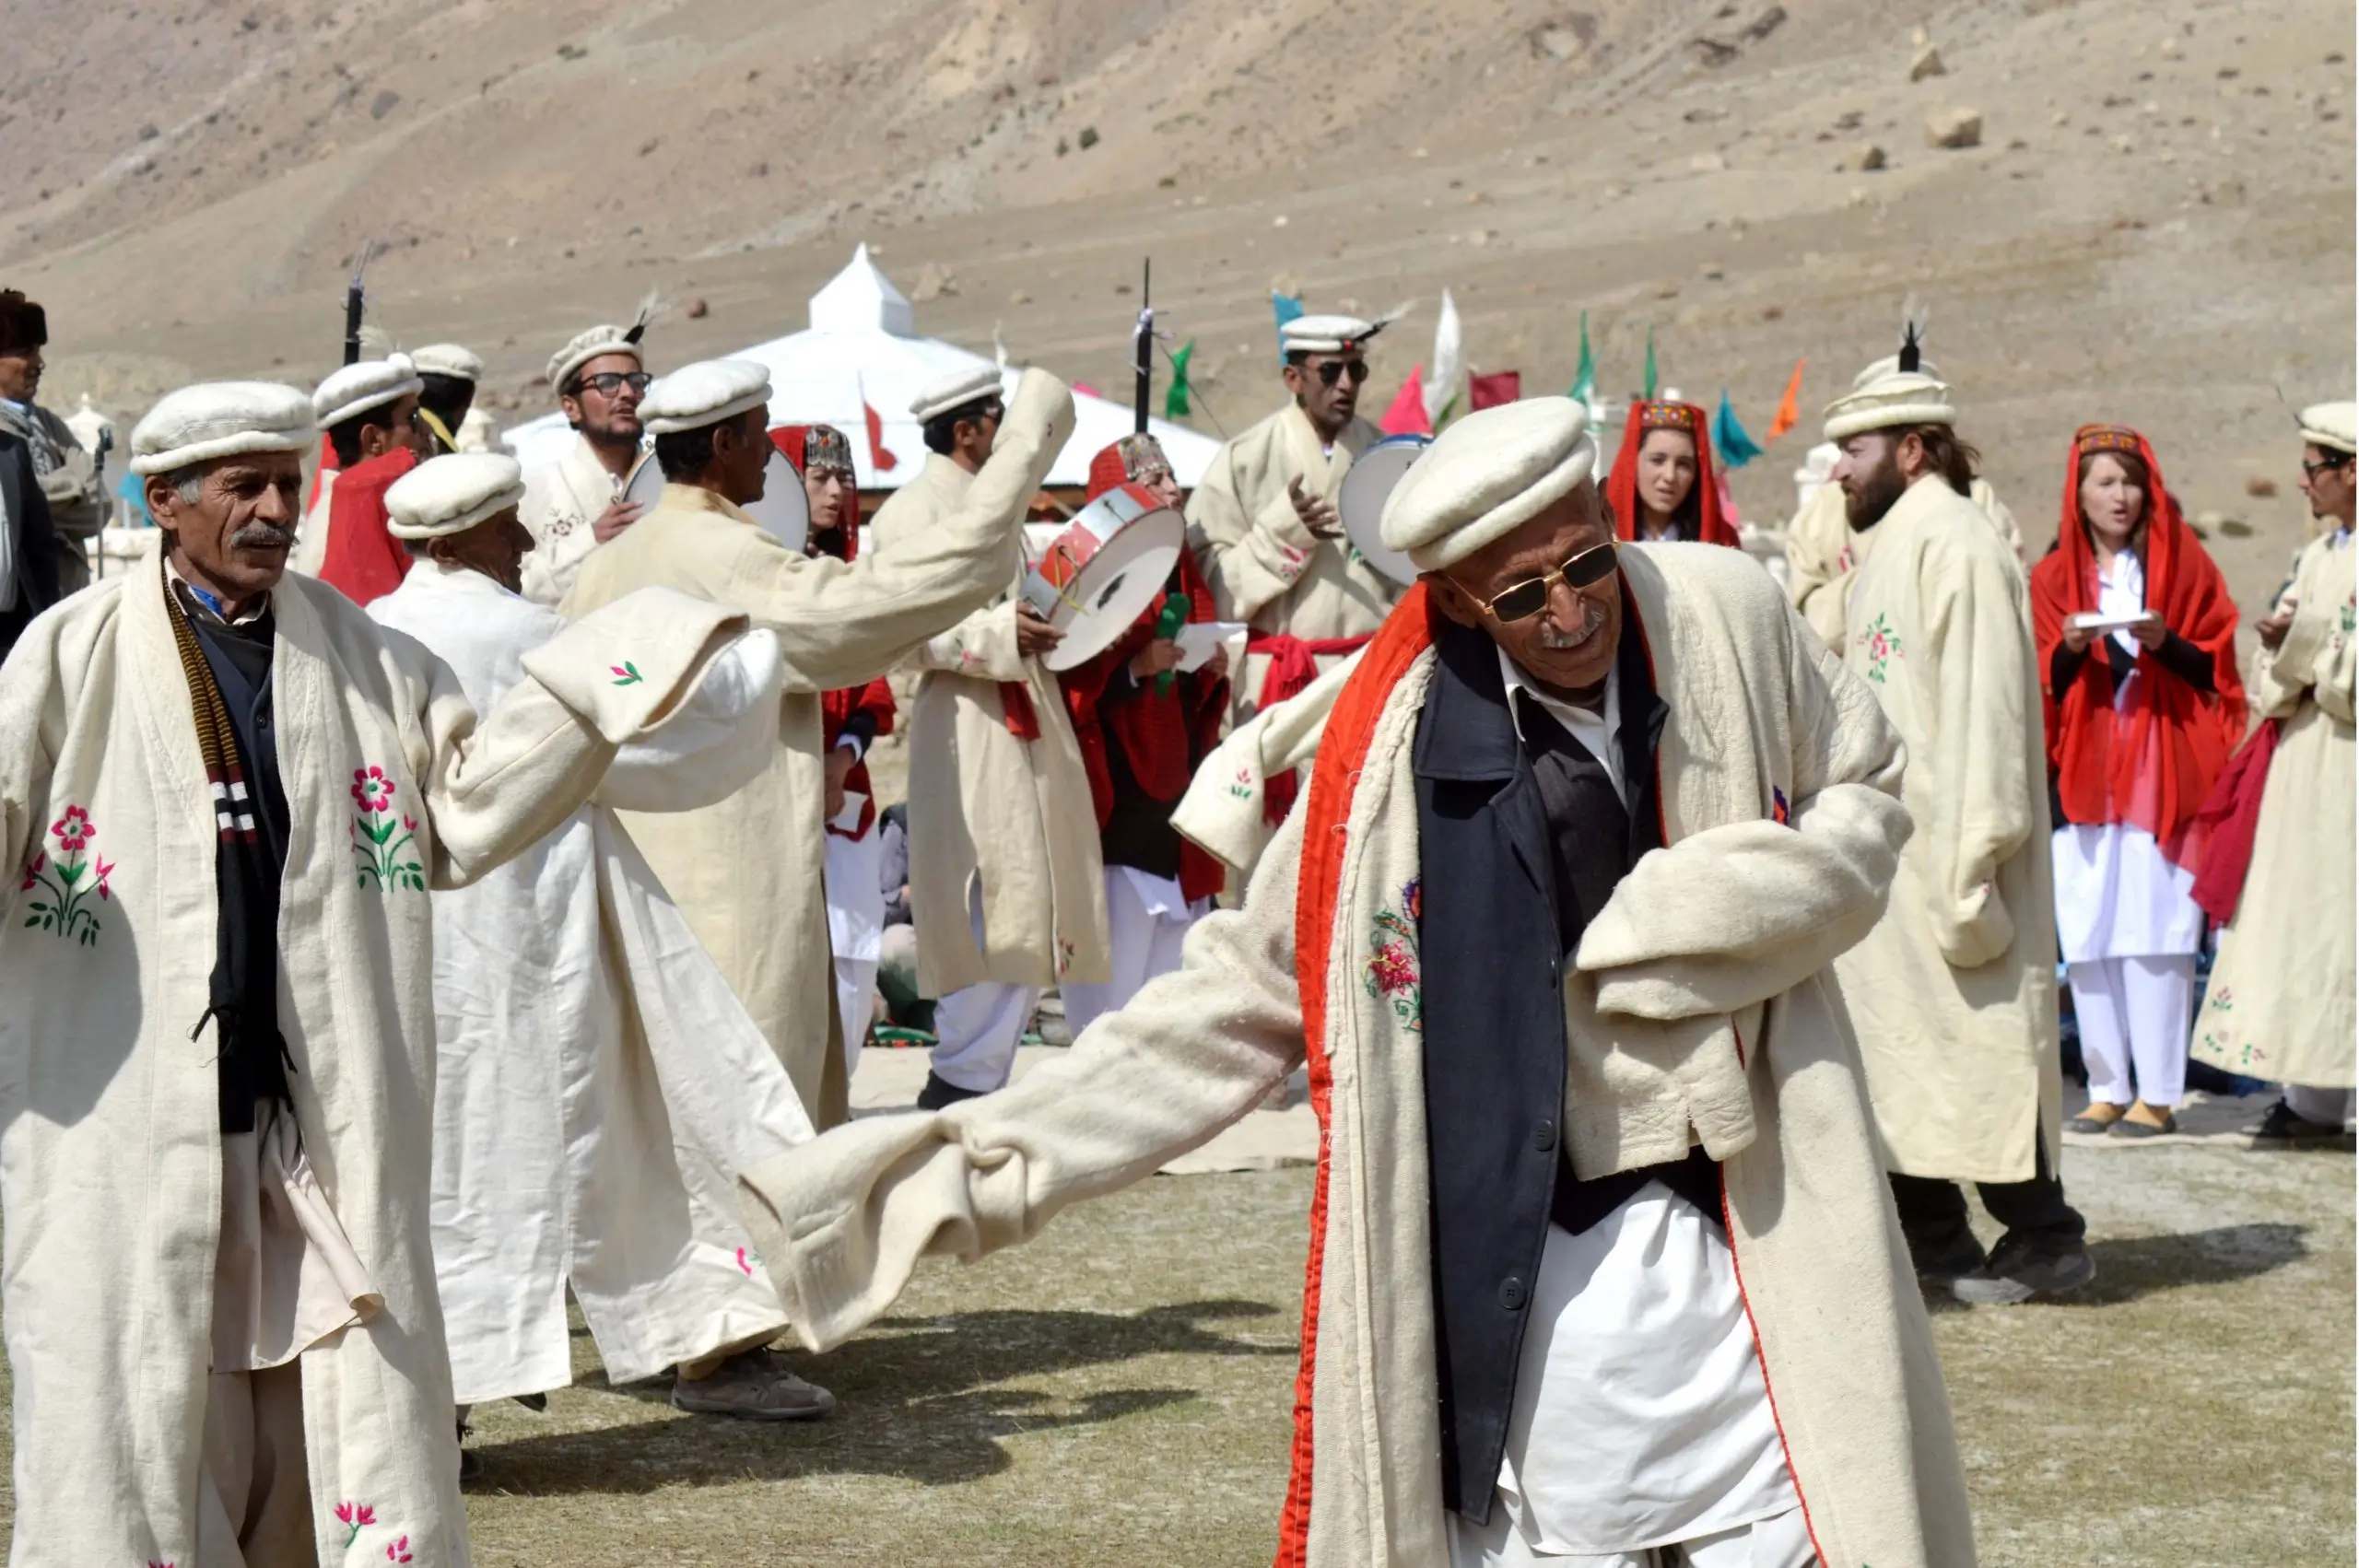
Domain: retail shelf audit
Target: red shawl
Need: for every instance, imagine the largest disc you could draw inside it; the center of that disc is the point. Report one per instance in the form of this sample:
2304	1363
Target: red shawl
2151	763
1164	734
1621	482
875	699
363	560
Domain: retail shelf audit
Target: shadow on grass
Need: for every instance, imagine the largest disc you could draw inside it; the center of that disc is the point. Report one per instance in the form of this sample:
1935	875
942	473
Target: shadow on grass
911	1402
2132	1266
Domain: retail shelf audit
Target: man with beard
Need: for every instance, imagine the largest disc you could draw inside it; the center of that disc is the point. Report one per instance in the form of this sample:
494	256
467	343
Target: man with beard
369	411
1265	529
1953	993
575	504
69	476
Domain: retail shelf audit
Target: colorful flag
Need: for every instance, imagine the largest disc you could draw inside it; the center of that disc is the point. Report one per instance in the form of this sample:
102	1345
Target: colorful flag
1789	407
1407	414
1650	364
880	460
1286	308
1500	386
1584	388
1441	390
1736	448
1175	401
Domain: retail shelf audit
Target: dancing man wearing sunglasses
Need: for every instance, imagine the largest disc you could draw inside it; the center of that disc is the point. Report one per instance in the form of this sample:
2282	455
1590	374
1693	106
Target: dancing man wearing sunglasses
575	504
1265	529
1597	1174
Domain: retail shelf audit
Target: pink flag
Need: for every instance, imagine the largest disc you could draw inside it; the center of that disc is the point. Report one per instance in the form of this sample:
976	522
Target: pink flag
1488	391
1086	390
1407	416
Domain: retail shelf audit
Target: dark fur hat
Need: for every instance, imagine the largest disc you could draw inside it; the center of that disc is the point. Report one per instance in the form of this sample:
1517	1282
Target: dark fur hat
23	324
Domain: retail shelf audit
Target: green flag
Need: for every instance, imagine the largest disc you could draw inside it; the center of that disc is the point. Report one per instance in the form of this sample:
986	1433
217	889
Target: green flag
1585	378
1174	402
1650	364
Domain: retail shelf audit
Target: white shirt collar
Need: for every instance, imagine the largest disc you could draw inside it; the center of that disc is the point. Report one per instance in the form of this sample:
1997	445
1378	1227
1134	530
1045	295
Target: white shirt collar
1595	731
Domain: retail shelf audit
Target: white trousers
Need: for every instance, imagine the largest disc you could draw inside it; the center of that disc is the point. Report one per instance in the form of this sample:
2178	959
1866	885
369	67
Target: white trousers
2134	1015
976	1030
2330	1106
1779	1543
855	1003
1147	920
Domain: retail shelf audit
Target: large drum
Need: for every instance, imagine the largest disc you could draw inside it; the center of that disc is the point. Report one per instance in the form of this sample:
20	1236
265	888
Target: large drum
1367	485
1097	576
784	509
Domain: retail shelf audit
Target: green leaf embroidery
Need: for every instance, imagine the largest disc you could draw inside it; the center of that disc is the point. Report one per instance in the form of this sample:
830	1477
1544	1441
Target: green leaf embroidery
626	674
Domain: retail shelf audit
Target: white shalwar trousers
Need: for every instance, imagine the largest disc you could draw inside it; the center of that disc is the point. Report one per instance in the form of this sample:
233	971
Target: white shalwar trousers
1147	920
1779	1543
2134	1015
977	1029
855	932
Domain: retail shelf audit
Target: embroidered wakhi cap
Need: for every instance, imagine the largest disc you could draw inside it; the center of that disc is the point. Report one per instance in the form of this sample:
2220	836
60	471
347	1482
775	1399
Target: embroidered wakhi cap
592	345
450	495
825	447
2107	439
703	394
355	388
1670	416
448	359
1902	398
23	324
2331	426
1327	334
1132	457
946	394
1486	475
220	419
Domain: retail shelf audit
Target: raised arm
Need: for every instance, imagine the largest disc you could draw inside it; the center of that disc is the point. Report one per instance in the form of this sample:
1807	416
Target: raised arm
983	645
1745	911
841	623
1250	559
841	1222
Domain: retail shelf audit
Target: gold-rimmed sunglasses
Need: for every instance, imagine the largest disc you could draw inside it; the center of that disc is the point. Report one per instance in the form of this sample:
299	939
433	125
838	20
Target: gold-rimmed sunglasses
1521	601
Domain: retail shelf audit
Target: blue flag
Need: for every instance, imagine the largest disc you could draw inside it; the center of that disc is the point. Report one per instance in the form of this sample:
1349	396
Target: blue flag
1286	308
1735	447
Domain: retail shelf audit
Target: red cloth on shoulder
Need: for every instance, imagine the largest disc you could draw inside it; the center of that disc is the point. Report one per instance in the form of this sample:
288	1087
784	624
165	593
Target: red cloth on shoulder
1621	481
836	707
2151	762
2229	818
363	561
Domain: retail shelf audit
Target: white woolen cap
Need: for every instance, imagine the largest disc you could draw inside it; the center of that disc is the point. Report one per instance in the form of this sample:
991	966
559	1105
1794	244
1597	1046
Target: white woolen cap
356	389
703	394
220	419
594	343
1484	476
1890	365
448	359
2331	426
956	390
451	494
1325	334
1901	398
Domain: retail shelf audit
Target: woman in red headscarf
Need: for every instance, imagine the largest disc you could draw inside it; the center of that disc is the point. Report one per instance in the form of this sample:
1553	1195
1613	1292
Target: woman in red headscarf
1661	485
1143	725
855	717
2136	642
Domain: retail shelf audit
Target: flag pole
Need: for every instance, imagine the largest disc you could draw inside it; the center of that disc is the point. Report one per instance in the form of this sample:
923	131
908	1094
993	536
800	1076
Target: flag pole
1142	345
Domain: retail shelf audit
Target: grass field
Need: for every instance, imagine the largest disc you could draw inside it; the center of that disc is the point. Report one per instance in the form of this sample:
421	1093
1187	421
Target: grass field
1118	1393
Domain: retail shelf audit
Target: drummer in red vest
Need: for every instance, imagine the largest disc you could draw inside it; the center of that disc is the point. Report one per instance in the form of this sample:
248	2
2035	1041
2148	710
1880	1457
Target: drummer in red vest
1143	724
855	716
370	411
1265	532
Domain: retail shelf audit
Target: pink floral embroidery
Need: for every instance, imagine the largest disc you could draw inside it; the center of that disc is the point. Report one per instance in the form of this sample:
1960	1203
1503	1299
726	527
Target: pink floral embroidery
65	912
1243	784
397	1550
1392	973
354	1517
382	837
746	1261
1882	644
626	674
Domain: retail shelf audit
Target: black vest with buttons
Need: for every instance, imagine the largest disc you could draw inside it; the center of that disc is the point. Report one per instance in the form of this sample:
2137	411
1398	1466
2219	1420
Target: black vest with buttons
1521	839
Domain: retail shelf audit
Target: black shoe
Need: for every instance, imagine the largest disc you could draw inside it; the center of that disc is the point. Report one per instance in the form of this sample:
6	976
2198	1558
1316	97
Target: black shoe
2282	1129
536	1403
2022	1270
1939	1259
939	1095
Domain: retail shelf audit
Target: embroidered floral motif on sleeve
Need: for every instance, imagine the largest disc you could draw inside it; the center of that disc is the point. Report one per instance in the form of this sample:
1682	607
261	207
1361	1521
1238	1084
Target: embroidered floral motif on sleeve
1392	974
1243	784
373	831
1882	644
65	913
1065	954
354	1517
626	674
397	1550
747	1260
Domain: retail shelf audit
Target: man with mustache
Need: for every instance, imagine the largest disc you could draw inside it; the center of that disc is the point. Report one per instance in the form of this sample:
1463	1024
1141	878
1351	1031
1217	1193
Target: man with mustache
1955	992
1550	928
229	792
575	504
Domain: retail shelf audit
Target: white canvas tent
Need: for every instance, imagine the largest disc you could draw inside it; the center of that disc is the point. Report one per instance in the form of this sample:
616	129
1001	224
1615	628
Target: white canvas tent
862	346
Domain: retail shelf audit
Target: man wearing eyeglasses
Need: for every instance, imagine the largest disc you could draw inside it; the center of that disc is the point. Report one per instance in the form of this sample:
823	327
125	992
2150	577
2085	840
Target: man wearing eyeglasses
576	504
1551	927
1005	883
1265	530
369	411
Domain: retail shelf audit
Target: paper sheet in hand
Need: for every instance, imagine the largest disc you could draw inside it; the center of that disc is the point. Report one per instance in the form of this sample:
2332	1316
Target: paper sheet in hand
2093	621
848	818
1198	639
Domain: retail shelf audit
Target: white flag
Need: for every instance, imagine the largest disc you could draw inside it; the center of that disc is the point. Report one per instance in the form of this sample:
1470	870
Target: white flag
1448	360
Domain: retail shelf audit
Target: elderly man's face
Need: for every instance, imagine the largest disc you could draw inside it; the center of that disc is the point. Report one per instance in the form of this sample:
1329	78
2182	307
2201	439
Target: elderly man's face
1569	644
233	537
496	547
20	375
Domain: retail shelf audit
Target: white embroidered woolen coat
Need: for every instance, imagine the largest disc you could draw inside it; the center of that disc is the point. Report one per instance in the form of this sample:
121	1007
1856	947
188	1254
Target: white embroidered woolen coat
562	500
110	1156
1824	555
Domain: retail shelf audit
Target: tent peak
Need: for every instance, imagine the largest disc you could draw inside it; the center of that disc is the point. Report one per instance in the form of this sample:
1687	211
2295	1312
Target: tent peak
860	299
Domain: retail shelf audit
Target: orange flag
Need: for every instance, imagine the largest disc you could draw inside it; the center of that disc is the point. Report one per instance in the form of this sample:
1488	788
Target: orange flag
1788	409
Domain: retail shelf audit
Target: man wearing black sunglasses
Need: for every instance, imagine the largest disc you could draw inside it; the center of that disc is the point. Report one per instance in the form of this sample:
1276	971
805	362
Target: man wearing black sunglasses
1265	530
1551	928
576	504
